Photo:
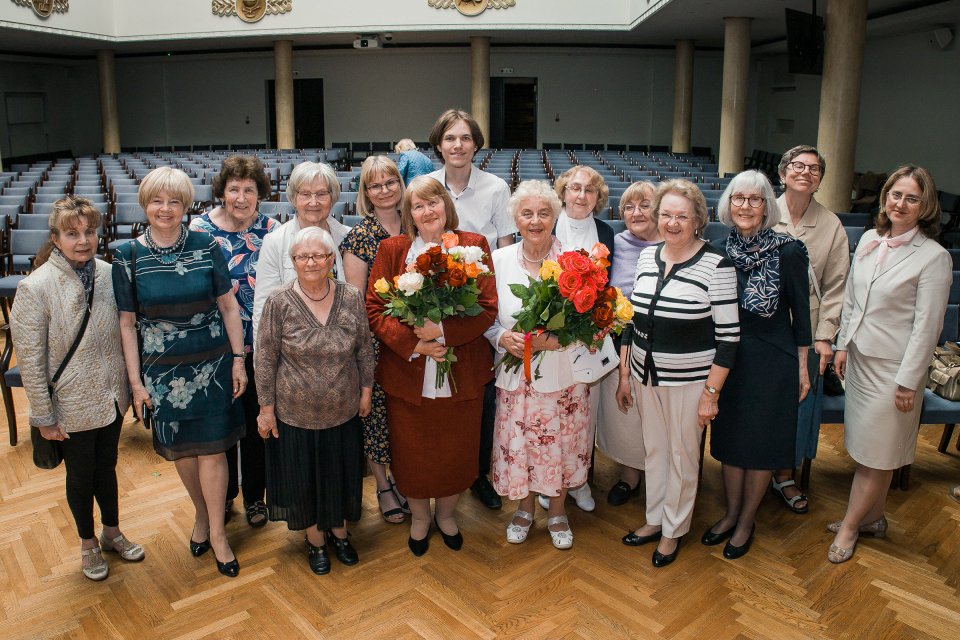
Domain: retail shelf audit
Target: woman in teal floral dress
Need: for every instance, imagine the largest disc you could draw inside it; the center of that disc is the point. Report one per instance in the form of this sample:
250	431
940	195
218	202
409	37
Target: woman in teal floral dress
192	351
378	201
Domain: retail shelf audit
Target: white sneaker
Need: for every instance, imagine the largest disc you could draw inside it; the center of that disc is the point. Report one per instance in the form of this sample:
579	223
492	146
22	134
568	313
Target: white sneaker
583	497
544	501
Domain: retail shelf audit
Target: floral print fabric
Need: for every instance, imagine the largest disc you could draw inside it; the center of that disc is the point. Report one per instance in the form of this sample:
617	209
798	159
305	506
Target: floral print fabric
542	441
241	250
186	358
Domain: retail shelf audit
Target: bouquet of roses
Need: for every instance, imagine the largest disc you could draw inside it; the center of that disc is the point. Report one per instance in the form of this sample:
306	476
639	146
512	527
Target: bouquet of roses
440	283
573	301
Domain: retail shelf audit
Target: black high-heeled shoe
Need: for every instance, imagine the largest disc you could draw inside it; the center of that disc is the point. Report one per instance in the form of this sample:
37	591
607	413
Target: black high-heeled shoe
419	547
731	552
230	569
710	538
197	549
455	541
343	549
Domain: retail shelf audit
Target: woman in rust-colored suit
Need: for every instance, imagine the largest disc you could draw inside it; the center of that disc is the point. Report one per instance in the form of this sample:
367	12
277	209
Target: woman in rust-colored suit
434	432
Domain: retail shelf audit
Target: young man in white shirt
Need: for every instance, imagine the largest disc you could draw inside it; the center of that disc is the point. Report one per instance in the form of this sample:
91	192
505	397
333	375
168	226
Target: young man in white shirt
481	202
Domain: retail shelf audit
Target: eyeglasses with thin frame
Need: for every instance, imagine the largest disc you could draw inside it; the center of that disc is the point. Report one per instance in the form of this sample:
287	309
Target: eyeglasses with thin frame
896	196
754	201
317	258
679	219
378	187
643	207
577	188
798	167
433	205
319	196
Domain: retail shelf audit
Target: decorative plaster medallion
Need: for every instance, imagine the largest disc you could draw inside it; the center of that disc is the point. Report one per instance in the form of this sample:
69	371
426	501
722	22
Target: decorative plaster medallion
471	7
44	8
250	10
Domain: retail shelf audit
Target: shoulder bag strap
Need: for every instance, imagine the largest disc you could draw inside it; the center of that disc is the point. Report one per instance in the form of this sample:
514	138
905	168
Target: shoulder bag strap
83	329
136	301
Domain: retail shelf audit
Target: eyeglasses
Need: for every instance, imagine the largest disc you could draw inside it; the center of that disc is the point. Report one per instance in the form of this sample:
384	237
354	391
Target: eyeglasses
577	188
798	166
434	204
319	196
316	257
378	187
896	196
679	219
528	215
632	208
755	201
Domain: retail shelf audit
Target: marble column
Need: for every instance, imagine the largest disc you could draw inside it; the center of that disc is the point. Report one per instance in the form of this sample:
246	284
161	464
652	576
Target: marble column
846	24
682	96
736	79
480	84
283	94
109	120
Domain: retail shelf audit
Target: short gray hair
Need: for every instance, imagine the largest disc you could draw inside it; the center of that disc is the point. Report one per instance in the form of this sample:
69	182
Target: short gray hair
307	172
312	233
751	180
534	189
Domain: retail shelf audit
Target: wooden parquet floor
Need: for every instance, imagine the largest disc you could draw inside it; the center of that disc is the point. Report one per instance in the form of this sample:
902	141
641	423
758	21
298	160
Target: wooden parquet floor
903	587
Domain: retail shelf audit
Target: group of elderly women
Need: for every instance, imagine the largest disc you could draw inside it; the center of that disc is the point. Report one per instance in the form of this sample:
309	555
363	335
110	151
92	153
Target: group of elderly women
239	322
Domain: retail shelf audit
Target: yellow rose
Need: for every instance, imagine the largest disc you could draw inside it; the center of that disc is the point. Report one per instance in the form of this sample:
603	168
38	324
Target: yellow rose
550	270
624	309
381	286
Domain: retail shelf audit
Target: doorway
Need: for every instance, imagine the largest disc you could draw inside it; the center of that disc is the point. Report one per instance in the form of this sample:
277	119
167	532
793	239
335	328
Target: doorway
513	113
307	113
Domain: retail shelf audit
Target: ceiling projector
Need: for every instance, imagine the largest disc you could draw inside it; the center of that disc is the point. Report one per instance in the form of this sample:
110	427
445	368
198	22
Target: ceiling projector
367	42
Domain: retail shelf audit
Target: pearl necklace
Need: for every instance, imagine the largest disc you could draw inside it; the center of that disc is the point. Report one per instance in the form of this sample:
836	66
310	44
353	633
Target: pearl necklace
528	260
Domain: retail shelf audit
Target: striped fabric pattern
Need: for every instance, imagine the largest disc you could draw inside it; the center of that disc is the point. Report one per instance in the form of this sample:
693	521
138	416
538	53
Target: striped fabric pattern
684	322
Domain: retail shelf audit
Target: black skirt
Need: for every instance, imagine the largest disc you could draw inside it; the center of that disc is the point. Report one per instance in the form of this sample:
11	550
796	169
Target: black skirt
315	476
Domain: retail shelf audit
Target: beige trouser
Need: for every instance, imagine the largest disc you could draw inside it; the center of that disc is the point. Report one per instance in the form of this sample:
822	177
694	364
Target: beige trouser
671	440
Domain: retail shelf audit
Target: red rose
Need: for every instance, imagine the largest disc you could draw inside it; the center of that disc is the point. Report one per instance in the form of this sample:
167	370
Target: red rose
568	283
597	278
580	263
583	300
602	316
458	277
423	264
436	254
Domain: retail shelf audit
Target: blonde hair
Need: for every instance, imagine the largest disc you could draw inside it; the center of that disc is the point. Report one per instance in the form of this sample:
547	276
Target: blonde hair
65	213
684	189
404	145
637	191
929	221
372	166
174	181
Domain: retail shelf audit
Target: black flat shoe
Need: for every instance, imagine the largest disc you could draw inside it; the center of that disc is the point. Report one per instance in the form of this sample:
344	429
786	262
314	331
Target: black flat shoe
633	540
318	559
455	541
662	560
197	549
419	547
343	549
230	569
620	493
731	552
483	490
710	538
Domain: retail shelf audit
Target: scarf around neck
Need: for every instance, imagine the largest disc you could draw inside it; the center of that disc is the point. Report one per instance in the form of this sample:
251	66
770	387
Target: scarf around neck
759	257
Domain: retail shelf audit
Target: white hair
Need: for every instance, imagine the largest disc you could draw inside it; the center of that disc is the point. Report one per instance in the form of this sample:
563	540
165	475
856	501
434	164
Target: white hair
750	180
309	234
306	172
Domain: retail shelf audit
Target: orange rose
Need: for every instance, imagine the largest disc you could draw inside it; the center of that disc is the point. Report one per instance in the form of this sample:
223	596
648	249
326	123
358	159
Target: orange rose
451	262
610	294
458	277
395	279
597	278
568	283
575	261
449	240
599	251
583	300
423	263
472	270
436	254
602	315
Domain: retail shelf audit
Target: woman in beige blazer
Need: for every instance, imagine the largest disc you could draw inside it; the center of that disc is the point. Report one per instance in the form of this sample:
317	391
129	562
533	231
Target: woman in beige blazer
893	310
801	216
85	408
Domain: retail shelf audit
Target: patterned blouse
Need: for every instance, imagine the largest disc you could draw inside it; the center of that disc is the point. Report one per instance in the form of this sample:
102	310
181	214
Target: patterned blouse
364	239
241	250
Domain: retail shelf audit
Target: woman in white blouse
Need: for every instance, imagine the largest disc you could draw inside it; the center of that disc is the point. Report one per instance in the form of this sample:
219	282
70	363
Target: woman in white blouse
542	439
312	189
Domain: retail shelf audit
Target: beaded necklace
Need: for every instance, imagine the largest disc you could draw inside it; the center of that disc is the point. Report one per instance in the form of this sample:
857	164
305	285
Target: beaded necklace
166	255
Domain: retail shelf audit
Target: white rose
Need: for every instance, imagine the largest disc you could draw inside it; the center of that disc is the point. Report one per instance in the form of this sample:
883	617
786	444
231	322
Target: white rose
456	251
472	254
410	283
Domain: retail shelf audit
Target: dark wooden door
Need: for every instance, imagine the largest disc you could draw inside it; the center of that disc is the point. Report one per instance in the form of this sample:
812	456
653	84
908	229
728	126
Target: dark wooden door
513	113
307	113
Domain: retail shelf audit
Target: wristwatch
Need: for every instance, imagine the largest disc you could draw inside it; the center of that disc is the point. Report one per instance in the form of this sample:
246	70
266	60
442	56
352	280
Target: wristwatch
711	390
240	356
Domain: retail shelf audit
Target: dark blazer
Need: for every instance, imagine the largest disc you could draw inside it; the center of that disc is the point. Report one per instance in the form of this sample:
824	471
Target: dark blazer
396	373
605	235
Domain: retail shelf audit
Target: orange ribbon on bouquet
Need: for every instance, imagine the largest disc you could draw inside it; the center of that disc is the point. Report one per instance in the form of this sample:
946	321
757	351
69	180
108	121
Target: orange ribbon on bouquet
528	351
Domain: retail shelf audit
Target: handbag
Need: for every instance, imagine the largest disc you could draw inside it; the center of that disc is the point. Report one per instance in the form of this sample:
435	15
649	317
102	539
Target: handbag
943	376
832	384
47	454
589	367
145	411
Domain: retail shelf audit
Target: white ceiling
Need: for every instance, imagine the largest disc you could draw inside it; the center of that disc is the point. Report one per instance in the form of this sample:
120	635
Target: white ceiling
700	20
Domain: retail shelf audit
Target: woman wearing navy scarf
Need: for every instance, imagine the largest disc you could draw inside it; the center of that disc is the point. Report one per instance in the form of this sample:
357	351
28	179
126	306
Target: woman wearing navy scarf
755	430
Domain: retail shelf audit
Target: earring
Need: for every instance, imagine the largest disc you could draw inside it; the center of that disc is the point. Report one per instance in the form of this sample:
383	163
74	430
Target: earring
696	233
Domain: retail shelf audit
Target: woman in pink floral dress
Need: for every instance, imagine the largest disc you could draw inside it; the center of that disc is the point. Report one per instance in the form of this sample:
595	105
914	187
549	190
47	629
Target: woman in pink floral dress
542	441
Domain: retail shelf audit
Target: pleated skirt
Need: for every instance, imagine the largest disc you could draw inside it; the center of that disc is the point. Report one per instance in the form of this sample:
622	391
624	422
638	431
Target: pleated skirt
875	433
433	447
315	476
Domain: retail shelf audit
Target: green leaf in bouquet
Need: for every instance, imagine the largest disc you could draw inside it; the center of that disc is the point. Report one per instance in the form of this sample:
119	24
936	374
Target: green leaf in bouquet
521	291
448	311
434	315
556	322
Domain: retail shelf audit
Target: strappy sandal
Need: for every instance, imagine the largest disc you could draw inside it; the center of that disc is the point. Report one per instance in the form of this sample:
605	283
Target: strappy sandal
778	487
561	539
517	533
404	505
394	515
257	514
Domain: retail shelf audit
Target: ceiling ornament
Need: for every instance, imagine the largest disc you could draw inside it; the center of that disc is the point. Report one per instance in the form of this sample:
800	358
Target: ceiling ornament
471	7
251	10
44	8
